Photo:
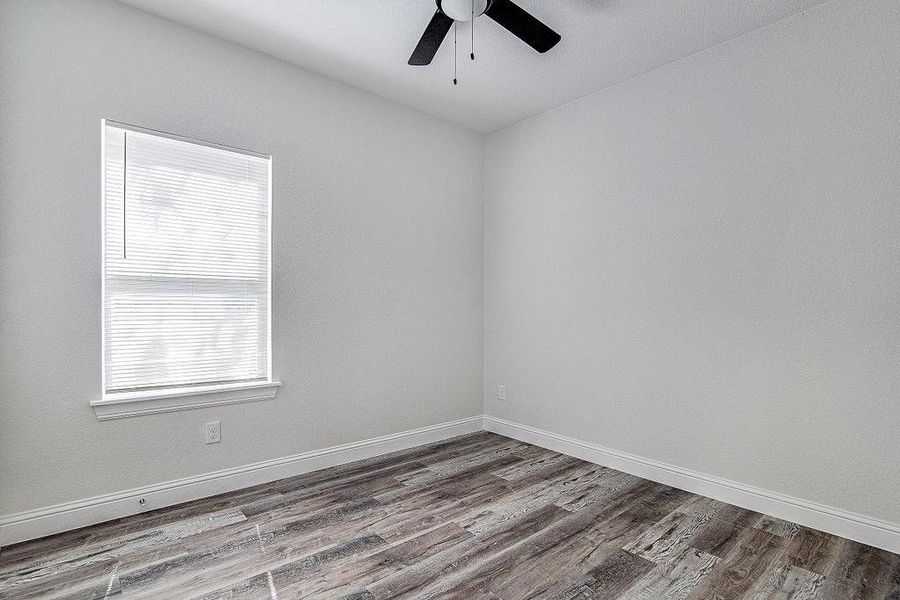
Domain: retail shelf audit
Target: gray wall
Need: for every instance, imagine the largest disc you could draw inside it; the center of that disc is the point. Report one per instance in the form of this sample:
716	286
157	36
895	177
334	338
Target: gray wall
378	251
698	266
702	266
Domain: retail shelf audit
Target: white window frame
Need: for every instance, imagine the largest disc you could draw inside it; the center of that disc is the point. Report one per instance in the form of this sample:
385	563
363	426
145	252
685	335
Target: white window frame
142	402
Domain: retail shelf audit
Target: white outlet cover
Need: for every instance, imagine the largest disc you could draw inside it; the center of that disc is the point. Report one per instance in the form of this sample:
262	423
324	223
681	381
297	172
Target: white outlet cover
501	392
213	432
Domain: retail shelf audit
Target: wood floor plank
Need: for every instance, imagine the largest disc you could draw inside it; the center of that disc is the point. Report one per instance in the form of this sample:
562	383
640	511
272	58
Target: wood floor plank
567	549
607	485
893	585
112	532
417	458
296	575
813	550
845	589
779	527
403	515
716	510
675	578
434	568
532	464
567	474
718	536
668	538
608	579
115	552
860	571
89	581
789	582
427	544
332	492
101	533
118	547
752	555
437	471
479	516
237	556
527	499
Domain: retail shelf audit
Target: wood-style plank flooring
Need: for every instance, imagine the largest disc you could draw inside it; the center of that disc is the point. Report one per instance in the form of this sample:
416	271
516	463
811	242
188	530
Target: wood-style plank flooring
480	516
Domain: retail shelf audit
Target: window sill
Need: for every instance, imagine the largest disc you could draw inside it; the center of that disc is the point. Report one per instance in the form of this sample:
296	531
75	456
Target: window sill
133	404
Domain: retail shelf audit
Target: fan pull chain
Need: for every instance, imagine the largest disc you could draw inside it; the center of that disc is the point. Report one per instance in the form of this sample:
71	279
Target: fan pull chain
472	55
454	52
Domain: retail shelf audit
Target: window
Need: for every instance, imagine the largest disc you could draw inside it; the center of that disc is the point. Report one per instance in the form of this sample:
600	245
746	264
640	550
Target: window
186	273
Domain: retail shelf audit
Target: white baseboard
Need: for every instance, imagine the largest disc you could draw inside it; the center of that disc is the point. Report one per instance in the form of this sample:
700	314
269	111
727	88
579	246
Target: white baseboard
72	515
856	527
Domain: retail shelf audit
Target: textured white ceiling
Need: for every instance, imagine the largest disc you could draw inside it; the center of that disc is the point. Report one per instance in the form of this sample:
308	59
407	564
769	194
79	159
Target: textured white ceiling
367	42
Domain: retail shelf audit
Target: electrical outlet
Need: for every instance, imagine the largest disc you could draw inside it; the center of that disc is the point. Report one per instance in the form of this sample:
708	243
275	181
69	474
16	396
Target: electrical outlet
501	392
213	432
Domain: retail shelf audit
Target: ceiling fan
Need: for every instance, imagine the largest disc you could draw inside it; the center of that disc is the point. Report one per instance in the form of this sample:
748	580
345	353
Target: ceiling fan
509	15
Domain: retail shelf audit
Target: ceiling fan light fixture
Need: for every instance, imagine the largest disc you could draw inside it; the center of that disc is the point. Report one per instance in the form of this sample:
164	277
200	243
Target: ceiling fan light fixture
505	13
462	10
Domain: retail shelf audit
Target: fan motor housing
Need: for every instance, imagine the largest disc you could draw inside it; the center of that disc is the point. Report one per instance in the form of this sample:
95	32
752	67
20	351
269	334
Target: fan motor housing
462	10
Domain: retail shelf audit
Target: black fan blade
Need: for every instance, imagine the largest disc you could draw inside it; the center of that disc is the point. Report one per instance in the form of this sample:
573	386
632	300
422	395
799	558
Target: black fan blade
522	25
431	40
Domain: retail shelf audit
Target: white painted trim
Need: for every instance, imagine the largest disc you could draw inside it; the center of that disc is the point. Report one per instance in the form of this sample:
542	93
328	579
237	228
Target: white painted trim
71	515
146	402
184	138
118	405
860	528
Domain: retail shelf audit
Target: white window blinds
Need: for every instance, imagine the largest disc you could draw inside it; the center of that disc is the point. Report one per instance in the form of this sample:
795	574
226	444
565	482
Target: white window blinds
186	263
